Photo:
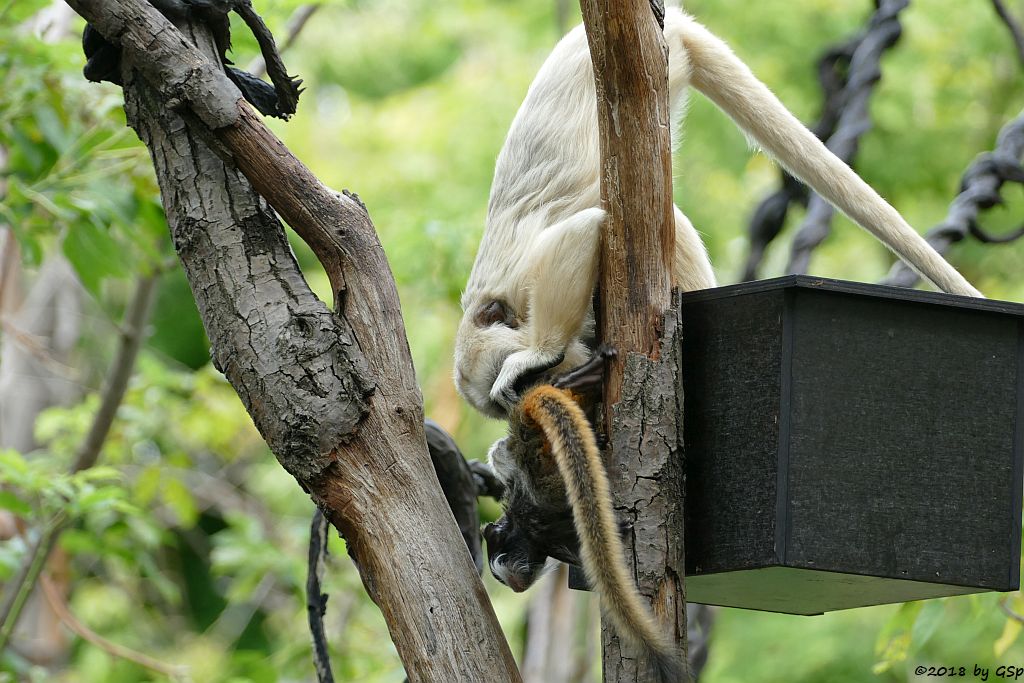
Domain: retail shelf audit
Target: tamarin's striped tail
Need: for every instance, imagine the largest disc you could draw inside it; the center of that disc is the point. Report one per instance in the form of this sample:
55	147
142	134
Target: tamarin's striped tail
572	442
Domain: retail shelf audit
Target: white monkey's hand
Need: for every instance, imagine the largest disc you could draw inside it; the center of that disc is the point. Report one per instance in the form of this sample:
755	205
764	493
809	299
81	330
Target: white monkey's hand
520	371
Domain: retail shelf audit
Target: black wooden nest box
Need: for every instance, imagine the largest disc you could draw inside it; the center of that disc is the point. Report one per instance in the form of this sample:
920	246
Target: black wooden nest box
850	444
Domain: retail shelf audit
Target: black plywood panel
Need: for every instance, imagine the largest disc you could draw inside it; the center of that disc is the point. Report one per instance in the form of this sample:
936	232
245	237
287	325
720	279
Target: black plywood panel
901	438
850	444
732	356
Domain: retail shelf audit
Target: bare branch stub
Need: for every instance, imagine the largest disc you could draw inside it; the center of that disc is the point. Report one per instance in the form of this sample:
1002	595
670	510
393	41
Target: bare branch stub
980	189
642	414
865	71
332	392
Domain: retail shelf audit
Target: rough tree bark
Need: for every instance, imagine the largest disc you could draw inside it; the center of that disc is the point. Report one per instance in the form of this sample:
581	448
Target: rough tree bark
333	393
643	411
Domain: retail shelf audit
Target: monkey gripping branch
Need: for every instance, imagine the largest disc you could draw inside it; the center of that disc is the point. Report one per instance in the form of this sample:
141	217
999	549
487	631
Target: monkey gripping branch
332	392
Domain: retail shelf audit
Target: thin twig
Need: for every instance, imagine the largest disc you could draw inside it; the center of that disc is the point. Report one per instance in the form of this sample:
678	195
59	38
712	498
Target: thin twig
132	334
60	608
1015	30
296	22
865	71
20	587
1009	611
34	345
316	600
120	372
980	188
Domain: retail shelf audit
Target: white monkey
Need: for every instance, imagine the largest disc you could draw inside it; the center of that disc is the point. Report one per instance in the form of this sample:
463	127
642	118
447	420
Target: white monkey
528	300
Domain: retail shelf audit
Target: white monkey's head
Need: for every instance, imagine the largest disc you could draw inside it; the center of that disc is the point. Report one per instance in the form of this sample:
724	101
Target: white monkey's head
494	362
490	331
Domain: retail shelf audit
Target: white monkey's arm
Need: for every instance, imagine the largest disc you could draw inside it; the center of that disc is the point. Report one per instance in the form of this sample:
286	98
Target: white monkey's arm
563	274
692	267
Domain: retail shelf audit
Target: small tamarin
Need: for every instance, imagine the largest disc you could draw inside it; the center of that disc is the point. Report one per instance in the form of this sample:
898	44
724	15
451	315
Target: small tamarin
527	303
550	466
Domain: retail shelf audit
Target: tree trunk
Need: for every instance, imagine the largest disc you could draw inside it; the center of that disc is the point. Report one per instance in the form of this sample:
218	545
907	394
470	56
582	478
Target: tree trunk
333	393
643	410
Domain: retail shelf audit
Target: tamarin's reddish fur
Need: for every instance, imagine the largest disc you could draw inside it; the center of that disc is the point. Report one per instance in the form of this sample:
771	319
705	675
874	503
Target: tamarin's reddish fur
549	424
572	443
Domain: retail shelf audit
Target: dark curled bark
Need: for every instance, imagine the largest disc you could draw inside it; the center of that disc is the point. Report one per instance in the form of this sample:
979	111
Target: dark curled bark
286	87
658	7
296	22
316	599
770	215
280	100
458	484
865	71
980	189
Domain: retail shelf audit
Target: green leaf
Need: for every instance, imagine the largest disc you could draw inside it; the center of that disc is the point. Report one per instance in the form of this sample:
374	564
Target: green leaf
76	542
52	128
180	500
11	462
927	622
99	473
9	501
894	640
94	254
1011	631
98	498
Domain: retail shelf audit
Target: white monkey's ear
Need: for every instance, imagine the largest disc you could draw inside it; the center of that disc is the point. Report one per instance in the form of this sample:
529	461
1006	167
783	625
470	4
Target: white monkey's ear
495	312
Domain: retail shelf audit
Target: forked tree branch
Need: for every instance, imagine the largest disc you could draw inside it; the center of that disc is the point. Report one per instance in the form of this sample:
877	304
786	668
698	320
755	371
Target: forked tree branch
333	393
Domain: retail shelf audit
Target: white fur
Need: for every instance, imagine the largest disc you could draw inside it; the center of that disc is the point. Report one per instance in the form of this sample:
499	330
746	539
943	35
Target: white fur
540	250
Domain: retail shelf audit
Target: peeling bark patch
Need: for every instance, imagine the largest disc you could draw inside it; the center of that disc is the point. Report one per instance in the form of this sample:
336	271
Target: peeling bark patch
270	335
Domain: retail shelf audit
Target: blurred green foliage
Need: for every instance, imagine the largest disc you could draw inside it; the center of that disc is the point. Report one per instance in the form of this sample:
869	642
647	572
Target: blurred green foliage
189	544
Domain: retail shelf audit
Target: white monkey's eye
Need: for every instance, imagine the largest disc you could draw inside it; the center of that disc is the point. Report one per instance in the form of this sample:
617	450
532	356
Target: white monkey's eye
495	312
